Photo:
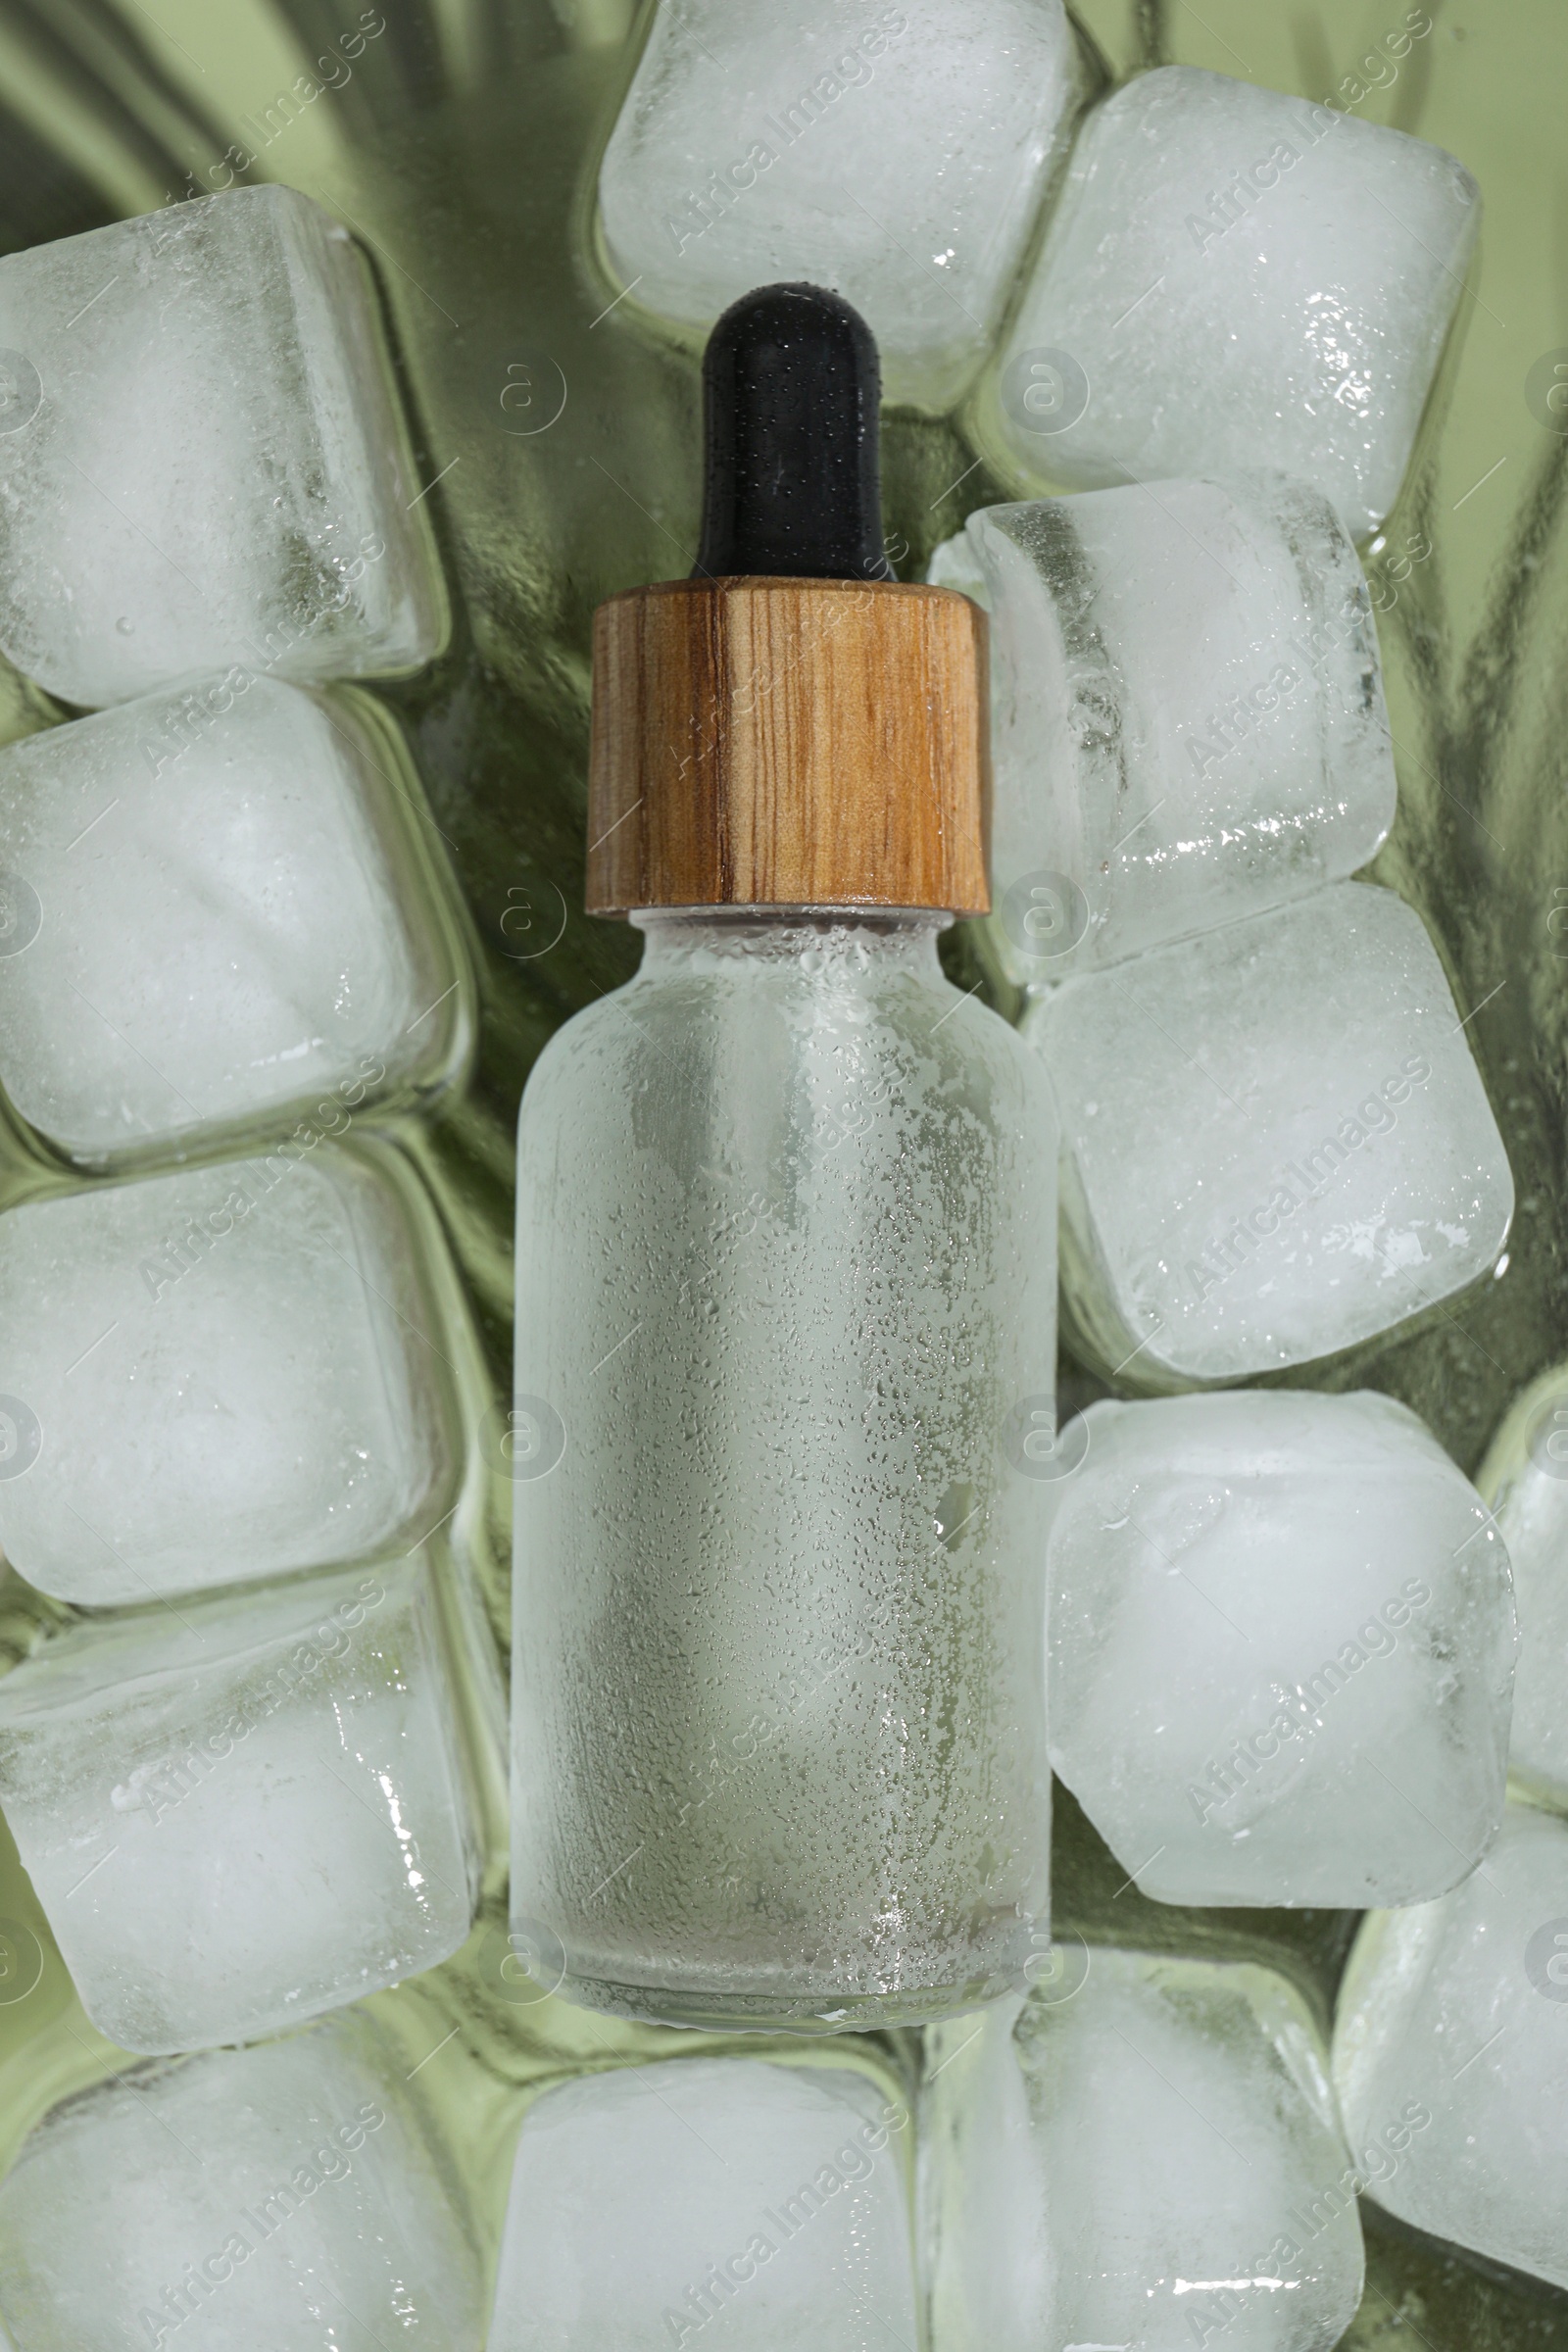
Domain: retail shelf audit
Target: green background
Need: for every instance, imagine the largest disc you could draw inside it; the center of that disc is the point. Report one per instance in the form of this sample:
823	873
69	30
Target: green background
461	149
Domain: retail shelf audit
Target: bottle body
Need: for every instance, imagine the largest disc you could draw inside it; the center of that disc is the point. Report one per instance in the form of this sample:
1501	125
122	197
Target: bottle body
786	1273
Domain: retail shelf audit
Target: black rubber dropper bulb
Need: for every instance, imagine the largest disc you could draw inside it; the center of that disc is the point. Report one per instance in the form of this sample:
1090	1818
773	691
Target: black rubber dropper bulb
792	484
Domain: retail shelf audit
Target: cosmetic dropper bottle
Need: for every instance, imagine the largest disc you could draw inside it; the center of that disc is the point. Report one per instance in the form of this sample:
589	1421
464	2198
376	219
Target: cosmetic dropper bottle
786	1287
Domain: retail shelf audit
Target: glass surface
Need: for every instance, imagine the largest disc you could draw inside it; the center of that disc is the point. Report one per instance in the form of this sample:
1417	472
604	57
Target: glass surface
458	141
786	1269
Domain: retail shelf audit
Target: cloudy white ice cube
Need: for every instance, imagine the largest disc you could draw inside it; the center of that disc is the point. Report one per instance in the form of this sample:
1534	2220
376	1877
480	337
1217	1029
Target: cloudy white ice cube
1275	1141
955	564
1187	714
232	907
899	155
1281	1649
221	1374
1458	2012
207	465
1143	2154
1234	278
725	2202
294	2195
1525	1478
247	1812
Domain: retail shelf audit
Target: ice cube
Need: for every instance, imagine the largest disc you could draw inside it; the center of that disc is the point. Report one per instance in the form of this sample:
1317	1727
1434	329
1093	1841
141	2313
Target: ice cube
1450	2055
898	155
955	563
293	2195
1275	1141
1144	2155
725	2201
217	1375
1525	1478
1187	714
246	1812
1281	1646
208	466
231	908
1234	279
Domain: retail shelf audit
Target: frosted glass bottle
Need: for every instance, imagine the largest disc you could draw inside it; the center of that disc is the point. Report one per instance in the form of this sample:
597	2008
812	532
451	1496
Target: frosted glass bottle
786	1285
786	1297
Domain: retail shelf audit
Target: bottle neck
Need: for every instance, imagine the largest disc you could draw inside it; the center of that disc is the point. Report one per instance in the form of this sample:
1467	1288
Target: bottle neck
829	935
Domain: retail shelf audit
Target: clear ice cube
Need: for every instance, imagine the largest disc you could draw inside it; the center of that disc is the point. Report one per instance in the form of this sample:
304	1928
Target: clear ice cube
211	467
243	1813
227	1373
1281	1648
1525	1478
1187	714
1275	1141
1143	2155
1451	2052
898	155
1234	279
229	909
722	2201
293	2195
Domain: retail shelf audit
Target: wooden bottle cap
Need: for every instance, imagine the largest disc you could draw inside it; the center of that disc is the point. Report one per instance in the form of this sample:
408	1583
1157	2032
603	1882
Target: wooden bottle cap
788	743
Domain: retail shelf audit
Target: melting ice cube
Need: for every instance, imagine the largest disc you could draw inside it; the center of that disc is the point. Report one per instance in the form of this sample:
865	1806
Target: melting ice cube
202	462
